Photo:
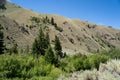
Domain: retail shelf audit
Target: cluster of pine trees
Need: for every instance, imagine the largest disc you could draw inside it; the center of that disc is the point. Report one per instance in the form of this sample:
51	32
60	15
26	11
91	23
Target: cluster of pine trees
41	46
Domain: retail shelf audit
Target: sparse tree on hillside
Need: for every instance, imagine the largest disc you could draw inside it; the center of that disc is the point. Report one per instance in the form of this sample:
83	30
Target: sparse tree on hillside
52	21
47	19
58	47
47	40
1	40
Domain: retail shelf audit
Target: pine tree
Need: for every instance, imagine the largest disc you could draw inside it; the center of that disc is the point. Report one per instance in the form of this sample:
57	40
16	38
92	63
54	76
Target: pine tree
58	47
47	19
49	55
41	43
1	40
47	39
52	21
57	44
35	48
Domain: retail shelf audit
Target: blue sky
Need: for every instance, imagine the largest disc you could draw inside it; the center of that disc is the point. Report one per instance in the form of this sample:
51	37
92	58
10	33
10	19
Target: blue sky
104	12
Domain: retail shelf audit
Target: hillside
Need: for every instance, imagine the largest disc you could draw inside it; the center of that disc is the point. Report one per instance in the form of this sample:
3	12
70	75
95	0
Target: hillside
75	35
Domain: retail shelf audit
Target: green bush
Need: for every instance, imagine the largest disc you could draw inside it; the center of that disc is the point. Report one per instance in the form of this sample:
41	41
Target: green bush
93	61
81	62
112	53
115	54
24	67
27	67
78	64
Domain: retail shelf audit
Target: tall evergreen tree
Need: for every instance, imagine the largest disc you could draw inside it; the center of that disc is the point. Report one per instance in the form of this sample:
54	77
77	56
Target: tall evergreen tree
1	40
52	21
35	48
58	47
49	55
41	43
47	19
47	39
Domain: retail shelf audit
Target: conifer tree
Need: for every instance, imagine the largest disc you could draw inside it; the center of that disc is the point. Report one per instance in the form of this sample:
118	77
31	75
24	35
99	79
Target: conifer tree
1	40
52	21
35	48
58	47
47	19
49	55
41	43
47	38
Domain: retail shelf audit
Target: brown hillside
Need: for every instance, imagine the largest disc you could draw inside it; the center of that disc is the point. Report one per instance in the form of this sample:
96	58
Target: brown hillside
77	35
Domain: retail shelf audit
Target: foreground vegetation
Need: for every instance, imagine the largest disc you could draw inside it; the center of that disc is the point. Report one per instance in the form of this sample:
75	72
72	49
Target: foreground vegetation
107	71
23	67
27	67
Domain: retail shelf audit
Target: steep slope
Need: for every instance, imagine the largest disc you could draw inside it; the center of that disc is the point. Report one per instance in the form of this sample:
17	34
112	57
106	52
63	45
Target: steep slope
14	33
76	35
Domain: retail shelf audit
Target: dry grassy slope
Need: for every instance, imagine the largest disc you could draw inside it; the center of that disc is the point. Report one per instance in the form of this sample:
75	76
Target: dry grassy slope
14	33
77	35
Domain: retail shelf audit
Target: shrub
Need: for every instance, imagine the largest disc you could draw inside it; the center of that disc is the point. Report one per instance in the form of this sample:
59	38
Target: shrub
81	62
55	73
112	53
59	29
71	40
93	61
78	64
23	67
35	19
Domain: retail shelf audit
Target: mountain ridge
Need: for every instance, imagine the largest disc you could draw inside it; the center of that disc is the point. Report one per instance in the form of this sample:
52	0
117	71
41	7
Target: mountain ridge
76	35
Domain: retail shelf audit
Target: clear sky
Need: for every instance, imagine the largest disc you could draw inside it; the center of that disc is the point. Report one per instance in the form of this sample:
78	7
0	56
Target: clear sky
105	12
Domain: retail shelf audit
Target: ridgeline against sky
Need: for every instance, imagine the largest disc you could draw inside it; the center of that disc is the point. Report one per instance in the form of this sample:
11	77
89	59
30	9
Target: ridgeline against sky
104	12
